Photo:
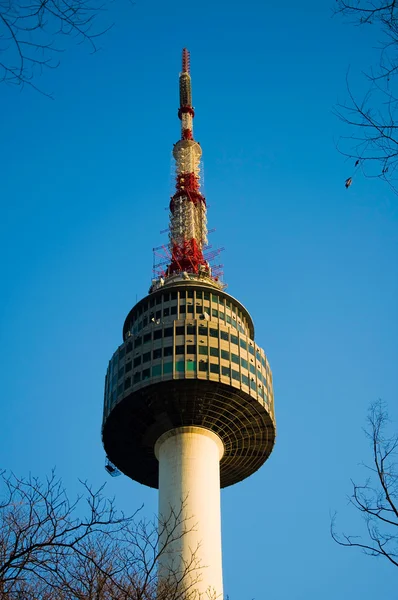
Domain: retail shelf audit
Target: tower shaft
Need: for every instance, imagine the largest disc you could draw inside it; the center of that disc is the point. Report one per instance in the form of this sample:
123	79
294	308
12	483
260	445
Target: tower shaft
189	511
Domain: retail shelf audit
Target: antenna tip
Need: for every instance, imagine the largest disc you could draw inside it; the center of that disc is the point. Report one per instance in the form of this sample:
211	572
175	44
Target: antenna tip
185	61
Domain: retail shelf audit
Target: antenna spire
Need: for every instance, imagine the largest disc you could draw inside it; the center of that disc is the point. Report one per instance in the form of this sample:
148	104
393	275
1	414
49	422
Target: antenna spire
188	230
186	112
186	66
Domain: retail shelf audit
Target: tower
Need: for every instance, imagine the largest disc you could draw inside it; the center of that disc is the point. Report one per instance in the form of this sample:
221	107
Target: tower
189	404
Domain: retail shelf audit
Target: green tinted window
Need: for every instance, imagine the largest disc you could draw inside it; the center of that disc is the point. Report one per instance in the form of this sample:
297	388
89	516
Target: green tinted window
235	358
226	371
156	370
235	374
167	368
225	354
203	350
191	365
180	366
214	368
243	344
213	351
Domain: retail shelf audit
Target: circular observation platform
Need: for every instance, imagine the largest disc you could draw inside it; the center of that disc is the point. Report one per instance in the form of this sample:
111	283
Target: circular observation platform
188	359
135	424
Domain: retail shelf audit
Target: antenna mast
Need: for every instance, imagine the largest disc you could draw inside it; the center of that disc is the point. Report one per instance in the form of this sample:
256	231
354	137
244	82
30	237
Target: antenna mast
188	221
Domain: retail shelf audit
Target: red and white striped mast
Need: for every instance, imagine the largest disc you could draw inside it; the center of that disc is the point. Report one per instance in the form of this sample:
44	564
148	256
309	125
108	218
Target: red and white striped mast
188	222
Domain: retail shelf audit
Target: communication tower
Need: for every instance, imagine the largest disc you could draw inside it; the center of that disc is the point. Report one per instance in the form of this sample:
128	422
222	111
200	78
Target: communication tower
189	405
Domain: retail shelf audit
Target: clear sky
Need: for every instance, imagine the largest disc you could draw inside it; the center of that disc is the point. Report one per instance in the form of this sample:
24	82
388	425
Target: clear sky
85	181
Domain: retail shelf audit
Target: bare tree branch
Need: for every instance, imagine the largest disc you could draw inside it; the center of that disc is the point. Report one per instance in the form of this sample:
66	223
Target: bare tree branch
377	498
374	118
30	30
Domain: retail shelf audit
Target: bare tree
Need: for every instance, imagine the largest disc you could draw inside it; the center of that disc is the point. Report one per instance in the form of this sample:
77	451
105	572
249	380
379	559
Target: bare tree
31	32
49	550
377	498
373	118
40	529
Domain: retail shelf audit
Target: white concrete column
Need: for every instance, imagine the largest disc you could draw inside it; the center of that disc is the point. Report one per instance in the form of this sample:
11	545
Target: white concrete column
189	511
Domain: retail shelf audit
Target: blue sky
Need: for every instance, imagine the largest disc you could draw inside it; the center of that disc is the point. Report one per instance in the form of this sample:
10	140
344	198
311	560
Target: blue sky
85	181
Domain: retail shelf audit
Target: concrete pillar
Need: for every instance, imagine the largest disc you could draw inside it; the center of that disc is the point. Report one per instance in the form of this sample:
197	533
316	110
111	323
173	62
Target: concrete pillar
189	511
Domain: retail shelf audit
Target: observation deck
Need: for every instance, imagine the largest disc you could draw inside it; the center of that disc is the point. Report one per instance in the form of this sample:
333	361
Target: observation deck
188	359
